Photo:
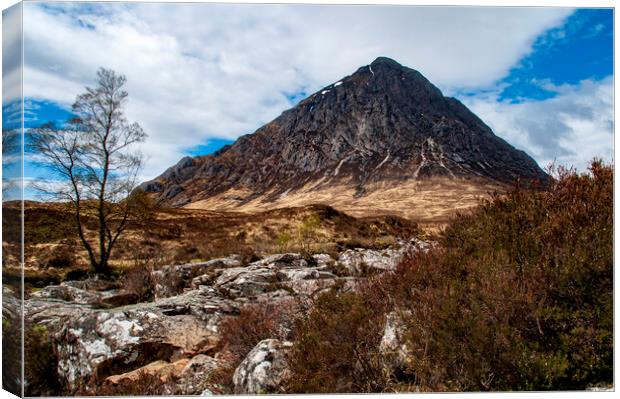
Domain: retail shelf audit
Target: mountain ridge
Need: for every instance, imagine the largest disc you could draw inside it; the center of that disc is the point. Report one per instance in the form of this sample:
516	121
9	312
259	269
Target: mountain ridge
383	123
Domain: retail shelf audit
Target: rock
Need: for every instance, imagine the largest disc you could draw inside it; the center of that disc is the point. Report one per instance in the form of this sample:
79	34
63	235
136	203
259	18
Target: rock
67	293
182	377
93	284
268	274
264	369
99	340
116	298
312	288
194	378
94	344
323	260
171	280
11	305
361	261
396	353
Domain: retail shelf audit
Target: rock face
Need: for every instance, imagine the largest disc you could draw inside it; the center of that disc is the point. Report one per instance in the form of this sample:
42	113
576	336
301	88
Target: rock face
383	123
171	280
264	368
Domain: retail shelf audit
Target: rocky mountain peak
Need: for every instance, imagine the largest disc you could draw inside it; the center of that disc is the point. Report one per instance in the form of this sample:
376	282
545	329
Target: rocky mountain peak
385	123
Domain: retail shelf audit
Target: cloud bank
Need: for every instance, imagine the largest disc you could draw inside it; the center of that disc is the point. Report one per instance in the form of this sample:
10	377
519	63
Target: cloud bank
201	71
569	129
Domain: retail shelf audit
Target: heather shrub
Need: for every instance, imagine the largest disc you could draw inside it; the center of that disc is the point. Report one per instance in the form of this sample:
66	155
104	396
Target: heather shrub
521	297
518	296
145	385
240	334
336	346
138	280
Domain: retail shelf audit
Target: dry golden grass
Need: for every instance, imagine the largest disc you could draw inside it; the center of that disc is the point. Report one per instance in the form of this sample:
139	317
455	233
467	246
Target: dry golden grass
430	203
174	236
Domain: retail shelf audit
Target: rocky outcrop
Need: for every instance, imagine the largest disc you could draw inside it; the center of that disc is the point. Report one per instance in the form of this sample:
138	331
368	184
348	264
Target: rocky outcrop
172	280
264	369
273	272
97	344
361	261
383	123
174	338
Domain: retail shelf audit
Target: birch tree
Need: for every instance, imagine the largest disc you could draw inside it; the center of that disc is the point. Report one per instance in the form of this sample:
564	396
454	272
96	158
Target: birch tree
95	163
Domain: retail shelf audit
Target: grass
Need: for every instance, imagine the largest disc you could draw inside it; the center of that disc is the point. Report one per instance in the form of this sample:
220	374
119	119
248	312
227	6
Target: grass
175	236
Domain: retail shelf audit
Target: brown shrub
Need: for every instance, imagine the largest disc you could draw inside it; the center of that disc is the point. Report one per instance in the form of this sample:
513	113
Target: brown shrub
240	334
145	385
138	281
519	296
62	256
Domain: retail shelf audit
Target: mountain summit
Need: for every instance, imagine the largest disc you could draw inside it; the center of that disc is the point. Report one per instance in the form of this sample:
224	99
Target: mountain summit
383	126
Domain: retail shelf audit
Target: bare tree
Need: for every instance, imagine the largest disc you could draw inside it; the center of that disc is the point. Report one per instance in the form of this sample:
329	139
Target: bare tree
96	164
11	155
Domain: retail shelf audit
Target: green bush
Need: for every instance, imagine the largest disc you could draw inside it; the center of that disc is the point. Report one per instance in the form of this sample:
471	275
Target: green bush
11	355
40	365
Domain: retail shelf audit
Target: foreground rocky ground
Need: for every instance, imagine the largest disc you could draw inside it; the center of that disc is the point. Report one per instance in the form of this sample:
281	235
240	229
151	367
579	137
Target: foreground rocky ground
104	343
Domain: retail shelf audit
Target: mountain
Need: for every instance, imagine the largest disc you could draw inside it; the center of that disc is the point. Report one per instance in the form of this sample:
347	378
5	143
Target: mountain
383	127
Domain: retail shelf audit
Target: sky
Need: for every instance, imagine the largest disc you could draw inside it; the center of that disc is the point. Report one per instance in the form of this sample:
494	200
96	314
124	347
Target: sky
201	75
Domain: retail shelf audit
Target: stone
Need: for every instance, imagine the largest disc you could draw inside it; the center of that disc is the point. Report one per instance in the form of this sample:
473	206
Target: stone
93	344
362	261
396	354
268	274
264	369
172	280
67	293
187	376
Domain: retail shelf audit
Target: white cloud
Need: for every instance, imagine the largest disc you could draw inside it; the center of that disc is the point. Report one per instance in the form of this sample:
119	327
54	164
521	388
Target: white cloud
571	128
197	71
11	51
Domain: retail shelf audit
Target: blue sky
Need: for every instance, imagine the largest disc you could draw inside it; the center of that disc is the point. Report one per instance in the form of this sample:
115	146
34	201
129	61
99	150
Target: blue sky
580	49
200	76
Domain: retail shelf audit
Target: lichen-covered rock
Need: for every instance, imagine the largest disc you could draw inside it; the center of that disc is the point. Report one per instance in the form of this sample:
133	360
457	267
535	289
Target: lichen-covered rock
264	369
172	280
96	344
68	293
396	353
11	305
268	274
182	377
362	261
99	341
